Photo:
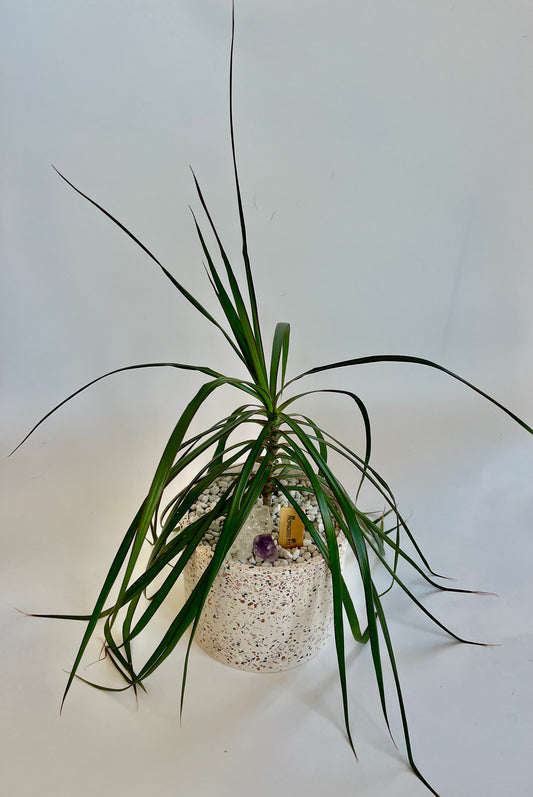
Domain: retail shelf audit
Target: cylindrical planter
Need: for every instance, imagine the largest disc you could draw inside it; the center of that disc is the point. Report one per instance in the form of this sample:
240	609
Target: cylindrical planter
264	619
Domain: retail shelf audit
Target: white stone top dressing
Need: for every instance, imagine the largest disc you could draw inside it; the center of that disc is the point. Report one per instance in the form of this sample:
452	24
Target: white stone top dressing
242	549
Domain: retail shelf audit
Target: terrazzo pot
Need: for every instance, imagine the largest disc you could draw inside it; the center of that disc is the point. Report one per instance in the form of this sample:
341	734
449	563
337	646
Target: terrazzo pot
264	619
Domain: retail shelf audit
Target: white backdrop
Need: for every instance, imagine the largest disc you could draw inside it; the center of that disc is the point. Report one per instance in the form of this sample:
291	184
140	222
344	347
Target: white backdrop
385	156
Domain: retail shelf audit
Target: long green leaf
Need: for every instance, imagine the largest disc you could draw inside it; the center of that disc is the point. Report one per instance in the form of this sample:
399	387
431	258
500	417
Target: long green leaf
417	603
375	531
159	481
246	258
379	483
200	369
163	591
252	336
181	503
190	298
336	577
392	659
235	420
400	358
280	350
228	533
355	538
364	414
111	577
237	317
234	520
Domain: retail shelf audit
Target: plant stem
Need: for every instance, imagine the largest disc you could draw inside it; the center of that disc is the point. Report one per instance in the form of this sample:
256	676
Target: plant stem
271	448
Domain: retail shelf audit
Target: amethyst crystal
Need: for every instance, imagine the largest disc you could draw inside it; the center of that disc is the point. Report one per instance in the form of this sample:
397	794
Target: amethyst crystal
265	548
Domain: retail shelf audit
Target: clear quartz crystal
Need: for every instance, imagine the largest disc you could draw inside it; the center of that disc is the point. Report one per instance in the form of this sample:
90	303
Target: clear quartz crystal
259	521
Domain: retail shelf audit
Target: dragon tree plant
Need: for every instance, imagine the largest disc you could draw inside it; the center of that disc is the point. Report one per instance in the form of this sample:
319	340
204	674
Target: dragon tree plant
279	441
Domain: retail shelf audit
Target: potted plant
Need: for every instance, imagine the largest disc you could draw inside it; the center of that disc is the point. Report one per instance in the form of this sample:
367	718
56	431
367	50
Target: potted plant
270	605
282	452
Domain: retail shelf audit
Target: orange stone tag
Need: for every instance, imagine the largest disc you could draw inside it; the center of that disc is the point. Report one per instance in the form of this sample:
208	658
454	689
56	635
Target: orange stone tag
291	528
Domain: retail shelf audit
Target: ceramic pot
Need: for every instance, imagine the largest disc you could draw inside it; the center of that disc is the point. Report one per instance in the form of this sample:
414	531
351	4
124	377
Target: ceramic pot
264	619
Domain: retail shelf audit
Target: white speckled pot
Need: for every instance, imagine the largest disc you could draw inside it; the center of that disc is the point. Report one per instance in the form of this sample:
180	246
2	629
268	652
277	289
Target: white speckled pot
264	619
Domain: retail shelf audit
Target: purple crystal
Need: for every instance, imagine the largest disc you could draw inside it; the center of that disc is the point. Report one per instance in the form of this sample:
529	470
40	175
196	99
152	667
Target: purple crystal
265	548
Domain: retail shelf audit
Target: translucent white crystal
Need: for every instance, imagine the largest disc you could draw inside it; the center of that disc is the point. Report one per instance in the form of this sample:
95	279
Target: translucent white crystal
259	521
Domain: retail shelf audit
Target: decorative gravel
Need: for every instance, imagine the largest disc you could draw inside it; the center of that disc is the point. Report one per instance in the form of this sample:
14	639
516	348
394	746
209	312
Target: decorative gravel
299	488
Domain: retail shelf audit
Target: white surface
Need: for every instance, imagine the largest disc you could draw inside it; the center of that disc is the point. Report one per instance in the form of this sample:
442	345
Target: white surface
385	155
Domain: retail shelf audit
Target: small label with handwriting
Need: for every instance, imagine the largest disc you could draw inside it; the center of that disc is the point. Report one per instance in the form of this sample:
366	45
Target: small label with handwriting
291	528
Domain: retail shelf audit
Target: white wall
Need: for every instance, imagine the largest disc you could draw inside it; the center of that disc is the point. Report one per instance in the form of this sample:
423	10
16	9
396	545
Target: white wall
391	141
385	154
